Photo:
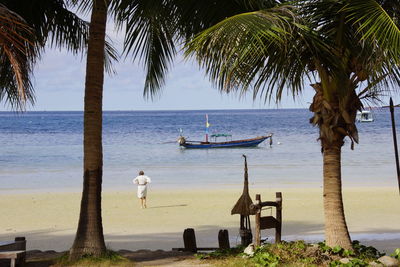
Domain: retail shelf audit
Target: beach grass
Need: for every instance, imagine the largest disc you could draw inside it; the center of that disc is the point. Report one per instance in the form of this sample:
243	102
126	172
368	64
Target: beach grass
110	258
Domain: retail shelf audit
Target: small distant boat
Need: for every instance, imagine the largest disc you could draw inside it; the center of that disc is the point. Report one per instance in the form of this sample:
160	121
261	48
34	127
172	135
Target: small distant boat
364	116
252	142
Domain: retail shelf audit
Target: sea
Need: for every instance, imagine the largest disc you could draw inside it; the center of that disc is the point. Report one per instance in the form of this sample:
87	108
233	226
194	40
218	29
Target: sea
44	151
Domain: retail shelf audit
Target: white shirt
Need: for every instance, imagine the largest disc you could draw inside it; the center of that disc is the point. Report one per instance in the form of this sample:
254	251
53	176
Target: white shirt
142	180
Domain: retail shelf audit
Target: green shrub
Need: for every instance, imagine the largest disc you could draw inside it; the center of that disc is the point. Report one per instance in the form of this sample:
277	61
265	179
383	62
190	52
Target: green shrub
296	254
396	253
283	253
352	263
221	253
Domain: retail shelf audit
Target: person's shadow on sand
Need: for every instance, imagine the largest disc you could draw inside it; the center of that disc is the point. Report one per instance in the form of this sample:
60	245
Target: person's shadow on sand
169	206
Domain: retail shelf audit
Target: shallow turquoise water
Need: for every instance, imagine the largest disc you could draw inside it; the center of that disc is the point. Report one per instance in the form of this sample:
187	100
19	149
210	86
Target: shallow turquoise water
43	150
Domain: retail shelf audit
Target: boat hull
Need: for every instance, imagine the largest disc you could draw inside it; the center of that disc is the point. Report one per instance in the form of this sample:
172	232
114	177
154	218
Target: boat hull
237	143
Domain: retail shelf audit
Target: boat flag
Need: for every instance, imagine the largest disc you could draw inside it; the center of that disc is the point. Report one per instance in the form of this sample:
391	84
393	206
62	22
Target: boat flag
207	124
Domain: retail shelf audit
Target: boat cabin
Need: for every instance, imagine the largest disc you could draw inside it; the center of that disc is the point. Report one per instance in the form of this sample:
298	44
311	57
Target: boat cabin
227	136
364	116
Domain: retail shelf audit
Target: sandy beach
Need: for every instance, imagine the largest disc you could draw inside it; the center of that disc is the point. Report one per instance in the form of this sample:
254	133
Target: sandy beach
48	220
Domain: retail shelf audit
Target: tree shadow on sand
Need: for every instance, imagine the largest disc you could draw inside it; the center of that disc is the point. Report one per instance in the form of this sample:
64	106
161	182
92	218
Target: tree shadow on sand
167	206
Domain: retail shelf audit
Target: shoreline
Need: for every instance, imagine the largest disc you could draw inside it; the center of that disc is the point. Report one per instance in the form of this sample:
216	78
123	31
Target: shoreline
130	187
48	219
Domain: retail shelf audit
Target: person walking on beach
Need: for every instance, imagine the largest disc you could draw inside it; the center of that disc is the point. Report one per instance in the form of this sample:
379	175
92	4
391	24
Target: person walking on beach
142	181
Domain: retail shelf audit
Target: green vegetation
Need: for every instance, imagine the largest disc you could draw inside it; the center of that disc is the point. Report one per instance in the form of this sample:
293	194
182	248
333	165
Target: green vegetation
220	253
396	253
297	253
109	258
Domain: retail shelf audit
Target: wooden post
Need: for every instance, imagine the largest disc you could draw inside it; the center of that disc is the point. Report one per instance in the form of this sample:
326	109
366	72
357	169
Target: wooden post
223	239
396	153
278	232
257	221
189	240
21	241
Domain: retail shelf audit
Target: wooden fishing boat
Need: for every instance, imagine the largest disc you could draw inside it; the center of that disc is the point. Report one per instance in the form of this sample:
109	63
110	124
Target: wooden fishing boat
252	142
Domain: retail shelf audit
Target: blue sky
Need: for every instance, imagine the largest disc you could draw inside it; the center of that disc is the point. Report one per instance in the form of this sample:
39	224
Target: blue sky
59	85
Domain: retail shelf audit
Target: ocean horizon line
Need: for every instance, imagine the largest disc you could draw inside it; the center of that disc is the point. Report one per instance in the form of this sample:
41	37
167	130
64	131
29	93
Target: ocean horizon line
153	110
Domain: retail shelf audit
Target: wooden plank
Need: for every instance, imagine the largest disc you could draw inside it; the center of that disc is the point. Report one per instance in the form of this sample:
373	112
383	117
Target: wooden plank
6	243
18	244
268	204
11	254
268	222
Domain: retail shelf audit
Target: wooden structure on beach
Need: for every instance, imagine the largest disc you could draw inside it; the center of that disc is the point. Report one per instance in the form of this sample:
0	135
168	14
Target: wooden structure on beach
14	251
242	207
268	222
190	245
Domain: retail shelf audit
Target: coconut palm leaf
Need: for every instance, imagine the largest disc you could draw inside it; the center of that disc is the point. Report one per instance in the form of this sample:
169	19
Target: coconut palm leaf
156	29
268	50
53	26
18	52
375	23
52	22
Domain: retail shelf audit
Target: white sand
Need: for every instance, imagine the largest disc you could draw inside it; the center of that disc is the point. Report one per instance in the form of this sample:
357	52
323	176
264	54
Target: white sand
49	220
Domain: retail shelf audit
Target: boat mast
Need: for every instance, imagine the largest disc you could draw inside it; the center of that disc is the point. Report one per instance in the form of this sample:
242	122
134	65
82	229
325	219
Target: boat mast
207	125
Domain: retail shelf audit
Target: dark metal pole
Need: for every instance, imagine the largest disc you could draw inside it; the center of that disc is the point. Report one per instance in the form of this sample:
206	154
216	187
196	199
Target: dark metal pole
396	153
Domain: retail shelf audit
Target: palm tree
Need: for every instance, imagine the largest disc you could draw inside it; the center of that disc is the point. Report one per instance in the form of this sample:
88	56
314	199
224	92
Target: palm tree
89	239
269	49
348	49
54	25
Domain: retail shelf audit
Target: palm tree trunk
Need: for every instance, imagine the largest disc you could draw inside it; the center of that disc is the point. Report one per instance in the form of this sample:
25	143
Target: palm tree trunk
336	233
89	239
333	128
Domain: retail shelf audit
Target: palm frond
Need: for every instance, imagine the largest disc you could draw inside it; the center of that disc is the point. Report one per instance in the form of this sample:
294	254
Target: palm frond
268	49
111	55
154	29
18	52
52	22
150	37
375	24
